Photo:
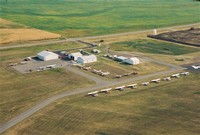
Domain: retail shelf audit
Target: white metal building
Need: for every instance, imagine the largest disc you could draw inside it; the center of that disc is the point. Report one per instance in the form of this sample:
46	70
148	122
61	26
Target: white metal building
120	58
46	55
132	61
86	59
74	56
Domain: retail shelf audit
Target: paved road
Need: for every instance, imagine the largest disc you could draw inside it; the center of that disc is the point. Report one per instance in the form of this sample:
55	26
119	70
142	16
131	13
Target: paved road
92	37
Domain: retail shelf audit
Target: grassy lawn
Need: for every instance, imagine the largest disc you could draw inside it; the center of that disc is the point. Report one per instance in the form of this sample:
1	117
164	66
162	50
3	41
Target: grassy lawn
20	91
93	17
119	68
153	46
168	108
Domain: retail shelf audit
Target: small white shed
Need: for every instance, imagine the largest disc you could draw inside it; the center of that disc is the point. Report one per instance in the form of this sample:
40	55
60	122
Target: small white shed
46	55
96	51
132	61
86	59
74	56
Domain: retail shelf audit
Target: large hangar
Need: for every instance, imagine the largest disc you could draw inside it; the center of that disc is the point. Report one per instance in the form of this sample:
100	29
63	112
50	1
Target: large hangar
132	61
47	55
86	59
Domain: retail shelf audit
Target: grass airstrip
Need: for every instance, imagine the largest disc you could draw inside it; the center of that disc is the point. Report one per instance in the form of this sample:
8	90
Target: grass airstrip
165	108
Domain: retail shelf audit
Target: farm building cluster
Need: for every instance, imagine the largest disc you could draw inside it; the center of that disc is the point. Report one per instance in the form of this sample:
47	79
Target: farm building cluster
63	58
79	57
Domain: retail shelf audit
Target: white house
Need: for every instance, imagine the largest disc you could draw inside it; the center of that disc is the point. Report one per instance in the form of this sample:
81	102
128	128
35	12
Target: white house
46	55
74	56
132	61
86	59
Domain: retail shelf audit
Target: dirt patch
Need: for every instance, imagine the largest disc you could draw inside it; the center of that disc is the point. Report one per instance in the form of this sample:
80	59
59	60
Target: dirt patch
188	37
18	35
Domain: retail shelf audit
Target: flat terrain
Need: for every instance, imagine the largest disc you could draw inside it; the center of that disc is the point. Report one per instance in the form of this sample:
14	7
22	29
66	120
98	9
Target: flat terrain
168	108
119	68
153	46
19	92
188	37
11	32
94	17
165	108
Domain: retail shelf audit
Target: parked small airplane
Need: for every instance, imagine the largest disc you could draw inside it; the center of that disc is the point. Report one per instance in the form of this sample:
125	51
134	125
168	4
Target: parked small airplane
196	67
155	80
106	90
86	68
120	88
104	73
185	73
118	76
51	66
167	78
96	71
176	75
94	94
145	83
132	86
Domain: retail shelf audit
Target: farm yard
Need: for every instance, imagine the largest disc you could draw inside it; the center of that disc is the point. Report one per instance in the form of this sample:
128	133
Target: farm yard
167	108
12	33
99	17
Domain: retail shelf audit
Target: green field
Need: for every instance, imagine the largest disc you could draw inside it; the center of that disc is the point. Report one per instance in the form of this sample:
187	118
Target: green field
168	108
20	91
153	46
93	17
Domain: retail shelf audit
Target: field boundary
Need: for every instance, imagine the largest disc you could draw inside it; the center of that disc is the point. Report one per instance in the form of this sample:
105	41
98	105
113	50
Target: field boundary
171	40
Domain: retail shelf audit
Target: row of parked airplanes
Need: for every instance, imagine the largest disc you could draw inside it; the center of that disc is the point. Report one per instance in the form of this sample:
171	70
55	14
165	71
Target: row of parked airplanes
196	67
133	86
101	73
44	68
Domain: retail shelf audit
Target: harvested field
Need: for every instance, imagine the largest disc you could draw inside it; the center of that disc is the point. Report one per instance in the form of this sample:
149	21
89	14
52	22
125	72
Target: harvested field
19	35
12	32
188	37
